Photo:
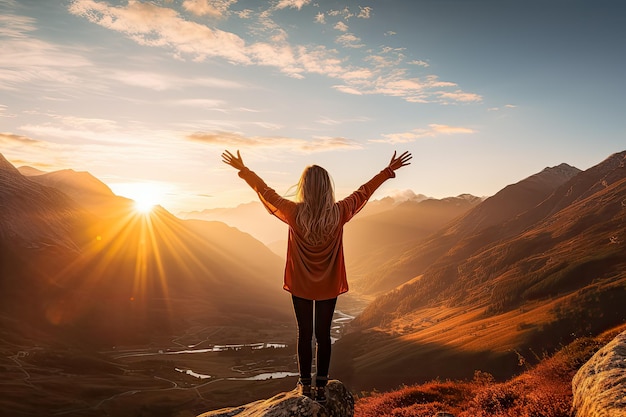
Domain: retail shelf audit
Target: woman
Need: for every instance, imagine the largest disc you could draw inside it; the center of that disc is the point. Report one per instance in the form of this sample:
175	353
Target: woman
315	272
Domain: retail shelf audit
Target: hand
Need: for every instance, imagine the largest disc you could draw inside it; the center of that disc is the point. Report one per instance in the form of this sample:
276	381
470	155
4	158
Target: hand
399	162
232	160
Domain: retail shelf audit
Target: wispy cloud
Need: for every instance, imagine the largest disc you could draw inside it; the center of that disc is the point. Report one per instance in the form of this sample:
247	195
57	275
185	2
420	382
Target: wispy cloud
419	63
433	130
330	121
458	96
364	12
163	81
344	13
506	106
383	73
214	8
349	40
27	60
151	25
12	139
293	4
237	140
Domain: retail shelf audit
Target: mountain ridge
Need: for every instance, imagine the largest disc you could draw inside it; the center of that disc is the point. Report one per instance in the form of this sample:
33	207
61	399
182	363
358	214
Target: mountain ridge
531	281
87	272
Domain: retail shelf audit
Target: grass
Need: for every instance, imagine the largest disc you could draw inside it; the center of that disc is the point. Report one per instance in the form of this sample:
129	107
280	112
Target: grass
541	391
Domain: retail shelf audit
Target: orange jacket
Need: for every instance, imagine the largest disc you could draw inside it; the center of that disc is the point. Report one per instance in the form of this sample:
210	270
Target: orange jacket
314	272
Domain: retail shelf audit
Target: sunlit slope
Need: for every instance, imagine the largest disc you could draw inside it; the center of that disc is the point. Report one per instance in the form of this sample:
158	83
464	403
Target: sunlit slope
371	240
508	203
532	282
124	276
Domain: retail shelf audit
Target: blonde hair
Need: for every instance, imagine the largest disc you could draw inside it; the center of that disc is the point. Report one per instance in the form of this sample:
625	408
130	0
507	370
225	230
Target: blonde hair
318	215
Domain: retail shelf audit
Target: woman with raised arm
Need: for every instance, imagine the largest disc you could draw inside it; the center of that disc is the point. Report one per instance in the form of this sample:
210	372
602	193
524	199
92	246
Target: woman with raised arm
315	271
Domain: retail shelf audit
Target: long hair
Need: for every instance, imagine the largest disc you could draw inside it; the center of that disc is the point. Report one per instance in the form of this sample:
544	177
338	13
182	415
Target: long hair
318	215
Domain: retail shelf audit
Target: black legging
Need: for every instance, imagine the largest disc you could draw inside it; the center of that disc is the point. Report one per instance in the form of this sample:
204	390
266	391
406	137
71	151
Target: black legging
324	311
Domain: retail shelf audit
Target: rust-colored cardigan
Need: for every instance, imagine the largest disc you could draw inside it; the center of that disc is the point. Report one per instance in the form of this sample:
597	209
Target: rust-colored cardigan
314	272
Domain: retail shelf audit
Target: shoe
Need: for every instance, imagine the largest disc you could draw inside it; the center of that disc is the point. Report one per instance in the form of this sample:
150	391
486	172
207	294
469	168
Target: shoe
304	387
320	395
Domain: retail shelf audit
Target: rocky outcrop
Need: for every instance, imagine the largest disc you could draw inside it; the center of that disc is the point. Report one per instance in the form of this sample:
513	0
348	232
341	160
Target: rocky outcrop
340	403
599	386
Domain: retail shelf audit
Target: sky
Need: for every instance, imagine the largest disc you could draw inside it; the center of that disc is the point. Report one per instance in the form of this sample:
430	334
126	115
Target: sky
145	95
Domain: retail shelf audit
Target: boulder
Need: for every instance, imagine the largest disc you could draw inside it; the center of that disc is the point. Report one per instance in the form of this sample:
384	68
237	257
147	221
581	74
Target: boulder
599	386
340	403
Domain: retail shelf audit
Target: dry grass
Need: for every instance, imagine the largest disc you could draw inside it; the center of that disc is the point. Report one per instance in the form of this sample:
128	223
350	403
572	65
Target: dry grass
542	391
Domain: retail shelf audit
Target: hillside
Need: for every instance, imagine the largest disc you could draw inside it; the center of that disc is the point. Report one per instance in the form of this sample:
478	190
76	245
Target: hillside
404	265
541	390
369	239
121	277
382	230
529	282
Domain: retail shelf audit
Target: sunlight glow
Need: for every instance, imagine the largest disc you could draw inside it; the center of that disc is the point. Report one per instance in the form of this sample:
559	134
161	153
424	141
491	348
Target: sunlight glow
145	204
145	195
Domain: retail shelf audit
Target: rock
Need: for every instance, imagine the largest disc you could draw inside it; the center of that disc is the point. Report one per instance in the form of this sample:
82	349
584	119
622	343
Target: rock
443	414
340	403
599	386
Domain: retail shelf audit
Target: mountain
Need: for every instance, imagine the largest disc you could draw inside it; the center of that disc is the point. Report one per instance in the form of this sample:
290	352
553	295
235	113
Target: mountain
246	217
508	203
383	229
388	233
85	189
515	286
79	273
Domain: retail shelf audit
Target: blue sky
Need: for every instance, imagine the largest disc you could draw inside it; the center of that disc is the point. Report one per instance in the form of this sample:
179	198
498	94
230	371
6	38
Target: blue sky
146	95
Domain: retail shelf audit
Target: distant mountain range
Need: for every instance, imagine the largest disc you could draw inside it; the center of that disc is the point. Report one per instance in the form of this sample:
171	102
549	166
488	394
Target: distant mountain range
79	263
533	266
461	283
382	230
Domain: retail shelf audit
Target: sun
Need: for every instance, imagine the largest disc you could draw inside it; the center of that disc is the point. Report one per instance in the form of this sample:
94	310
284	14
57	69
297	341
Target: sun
145	203
146	195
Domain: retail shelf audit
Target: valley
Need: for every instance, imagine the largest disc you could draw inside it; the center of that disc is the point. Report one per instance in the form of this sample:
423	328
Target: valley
205	368
107	312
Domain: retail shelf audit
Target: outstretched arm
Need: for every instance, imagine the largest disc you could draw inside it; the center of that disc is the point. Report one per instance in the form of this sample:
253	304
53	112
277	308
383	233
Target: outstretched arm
275	204
352	204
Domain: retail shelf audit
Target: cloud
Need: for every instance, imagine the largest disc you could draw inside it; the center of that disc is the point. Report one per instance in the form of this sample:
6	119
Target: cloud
390	33
344	13
214	8
365	12
200	103
237	140
26	60
244	14
458	96
383	73
342	27
162	81
419	63
10	138
320	18
433	130
349	40
334	122
151	25
293	4
506	106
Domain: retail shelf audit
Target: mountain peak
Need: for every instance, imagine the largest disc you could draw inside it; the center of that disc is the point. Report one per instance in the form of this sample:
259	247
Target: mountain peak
554	176
5	165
